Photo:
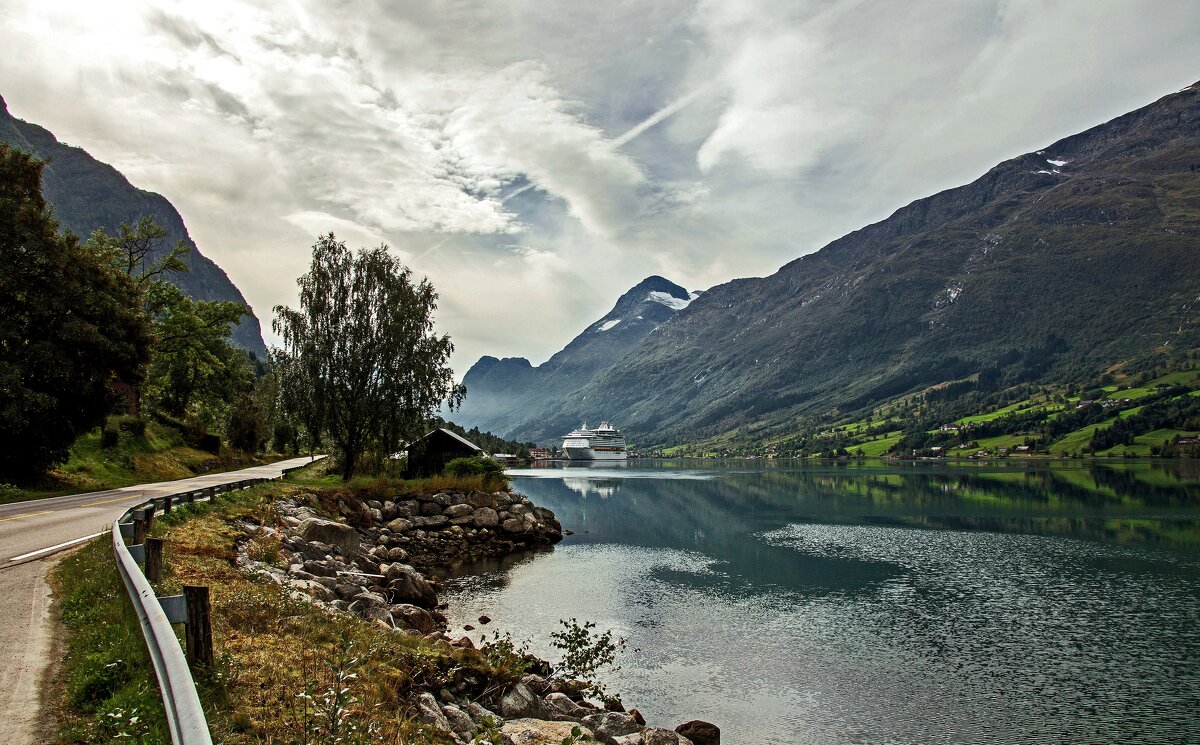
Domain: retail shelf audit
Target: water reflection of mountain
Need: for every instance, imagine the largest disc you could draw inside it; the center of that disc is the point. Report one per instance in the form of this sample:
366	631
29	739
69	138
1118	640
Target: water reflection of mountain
721	517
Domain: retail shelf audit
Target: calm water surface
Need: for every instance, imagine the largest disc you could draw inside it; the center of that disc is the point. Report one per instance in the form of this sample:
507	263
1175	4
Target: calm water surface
875	602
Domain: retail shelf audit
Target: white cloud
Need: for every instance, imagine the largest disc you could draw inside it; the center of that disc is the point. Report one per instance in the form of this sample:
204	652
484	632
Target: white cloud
537	159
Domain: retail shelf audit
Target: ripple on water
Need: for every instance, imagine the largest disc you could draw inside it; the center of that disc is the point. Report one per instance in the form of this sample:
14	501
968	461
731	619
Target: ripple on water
975	637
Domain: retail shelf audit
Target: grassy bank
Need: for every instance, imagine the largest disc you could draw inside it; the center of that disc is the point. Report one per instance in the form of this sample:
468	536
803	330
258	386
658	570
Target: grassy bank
287	671
157	454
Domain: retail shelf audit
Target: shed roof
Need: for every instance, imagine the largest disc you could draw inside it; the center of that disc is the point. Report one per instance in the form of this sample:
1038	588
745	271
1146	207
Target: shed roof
447	432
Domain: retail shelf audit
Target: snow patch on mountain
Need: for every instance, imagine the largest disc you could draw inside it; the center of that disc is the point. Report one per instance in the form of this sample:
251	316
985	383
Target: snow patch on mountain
609	324
672	302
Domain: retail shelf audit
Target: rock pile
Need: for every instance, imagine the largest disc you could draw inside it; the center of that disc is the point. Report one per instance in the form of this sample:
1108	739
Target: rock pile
377	568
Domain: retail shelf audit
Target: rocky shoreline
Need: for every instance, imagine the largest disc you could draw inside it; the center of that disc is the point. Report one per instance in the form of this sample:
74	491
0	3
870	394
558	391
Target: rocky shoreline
379	564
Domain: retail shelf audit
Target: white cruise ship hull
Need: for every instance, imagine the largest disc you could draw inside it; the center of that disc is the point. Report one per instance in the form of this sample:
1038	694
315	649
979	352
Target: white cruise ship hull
574	453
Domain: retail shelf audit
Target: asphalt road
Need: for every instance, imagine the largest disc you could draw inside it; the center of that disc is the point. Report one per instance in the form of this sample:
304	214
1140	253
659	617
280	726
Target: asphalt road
30	532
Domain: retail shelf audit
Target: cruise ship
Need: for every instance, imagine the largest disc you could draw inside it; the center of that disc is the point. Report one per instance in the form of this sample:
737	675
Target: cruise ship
602	443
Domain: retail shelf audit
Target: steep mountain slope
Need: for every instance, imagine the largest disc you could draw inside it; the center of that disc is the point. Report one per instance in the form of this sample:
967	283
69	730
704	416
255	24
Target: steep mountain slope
88	194
1056	262
510	395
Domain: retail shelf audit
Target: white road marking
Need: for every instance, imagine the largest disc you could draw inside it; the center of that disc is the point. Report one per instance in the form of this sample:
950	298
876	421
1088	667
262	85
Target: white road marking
55	548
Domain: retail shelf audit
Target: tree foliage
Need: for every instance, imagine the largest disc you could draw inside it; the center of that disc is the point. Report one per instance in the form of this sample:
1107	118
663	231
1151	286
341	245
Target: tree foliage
360	356
70	328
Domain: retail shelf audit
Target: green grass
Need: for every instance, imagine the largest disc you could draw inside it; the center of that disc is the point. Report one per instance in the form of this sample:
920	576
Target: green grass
1001	441
107	681
159	455
876	448
1142	443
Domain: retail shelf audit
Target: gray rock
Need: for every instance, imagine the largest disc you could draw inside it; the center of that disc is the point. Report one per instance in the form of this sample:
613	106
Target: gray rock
559	706
377	515
479	499
520	702
400	525
458	510
406	585
410	616
343	537
610	723
319	568
513	525
313	589
395	553
430	713
518	509
660	736
486	517
407	508
460	721
481	715
436	521
429	509
316	550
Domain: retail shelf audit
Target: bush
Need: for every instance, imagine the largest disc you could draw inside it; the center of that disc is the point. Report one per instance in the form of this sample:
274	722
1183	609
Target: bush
108	438
474	466
9	493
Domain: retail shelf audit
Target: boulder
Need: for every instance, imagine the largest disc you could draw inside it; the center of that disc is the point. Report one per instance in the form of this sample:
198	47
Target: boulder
520	702
700	732
479	499
660	736
513	525
458	510
460	721
610	724
342	537
482	715
400	525
311	588
407	508
428	509
406	585
539	732
430	713
486	517
560	707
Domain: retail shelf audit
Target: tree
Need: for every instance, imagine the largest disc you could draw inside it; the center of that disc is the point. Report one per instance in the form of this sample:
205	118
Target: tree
70	328
362	351
194	370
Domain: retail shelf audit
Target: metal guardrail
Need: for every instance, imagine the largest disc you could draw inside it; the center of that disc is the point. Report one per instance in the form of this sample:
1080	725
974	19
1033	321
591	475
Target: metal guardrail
185	715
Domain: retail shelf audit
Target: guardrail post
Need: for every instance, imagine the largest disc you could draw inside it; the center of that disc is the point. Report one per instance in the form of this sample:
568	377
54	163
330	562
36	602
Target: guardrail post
148	511
152	567
167	504
198	629
139	527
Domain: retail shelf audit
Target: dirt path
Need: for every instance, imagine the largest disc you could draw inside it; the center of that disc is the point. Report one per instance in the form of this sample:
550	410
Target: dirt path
26	644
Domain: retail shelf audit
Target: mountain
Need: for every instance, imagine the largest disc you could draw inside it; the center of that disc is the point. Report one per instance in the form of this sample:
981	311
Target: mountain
509	395
1053	266
87	194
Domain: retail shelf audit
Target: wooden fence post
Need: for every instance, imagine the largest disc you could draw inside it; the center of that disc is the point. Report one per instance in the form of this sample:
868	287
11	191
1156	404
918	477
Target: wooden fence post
198	629
167	504
153	565
139	527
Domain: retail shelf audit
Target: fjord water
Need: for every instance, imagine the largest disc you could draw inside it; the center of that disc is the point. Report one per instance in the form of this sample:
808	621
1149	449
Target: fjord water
874	602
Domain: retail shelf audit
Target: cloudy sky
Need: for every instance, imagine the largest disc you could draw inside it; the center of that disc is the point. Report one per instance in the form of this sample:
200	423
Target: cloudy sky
536	158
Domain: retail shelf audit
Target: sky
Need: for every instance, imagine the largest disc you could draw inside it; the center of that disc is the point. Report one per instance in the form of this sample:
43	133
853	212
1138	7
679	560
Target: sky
536	158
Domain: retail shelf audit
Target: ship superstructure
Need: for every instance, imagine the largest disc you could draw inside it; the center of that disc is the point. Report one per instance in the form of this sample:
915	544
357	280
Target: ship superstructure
602	443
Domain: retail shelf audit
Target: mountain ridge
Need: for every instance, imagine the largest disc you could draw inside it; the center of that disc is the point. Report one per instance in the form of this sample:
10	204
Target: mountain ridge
1023	274
499	390
87	194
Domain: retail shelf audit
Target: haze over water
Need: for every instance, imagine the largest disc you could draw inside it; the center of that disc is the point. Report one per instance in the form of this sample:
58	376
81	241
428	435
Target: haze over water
876	602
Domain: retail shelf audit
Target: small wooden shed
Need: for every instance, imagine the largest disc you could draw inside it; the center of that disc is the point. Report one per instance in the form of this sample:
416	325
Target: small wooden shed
430	454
